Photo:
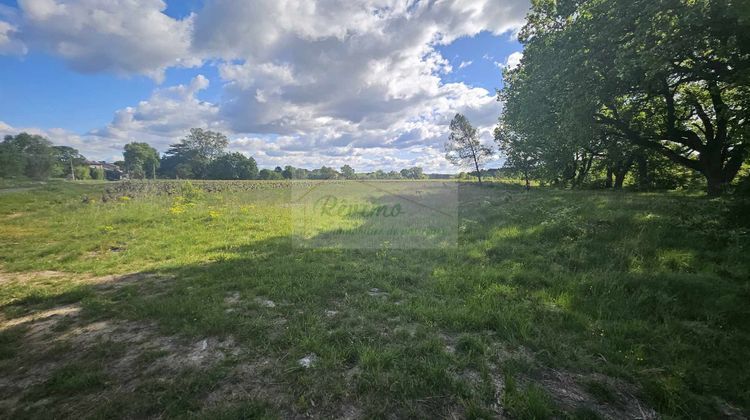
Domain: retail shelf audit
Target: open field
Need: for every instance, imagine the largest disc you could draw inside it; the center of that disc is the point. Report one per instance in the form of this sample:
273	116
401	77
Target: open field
179	300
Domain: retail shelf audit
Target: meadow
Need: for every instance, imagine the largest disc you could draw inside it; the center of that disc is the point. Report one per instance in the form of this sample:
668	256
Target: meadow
172	299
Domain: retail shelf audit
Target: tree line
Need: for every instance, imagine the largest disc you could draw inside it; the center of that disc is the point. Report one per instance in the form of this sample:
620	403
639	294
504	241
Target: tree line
202	155
33	156
657	91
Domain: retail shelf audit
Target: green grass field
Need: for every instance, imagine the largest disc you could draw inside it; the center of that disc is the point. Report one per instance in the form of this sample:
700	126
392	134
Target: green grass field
176	300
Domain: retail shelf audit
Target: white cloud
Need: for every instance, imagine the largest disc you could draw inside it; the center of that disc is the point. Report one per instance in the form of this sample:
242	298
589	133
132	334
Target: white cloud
465	64
9	41
160	120
120	36
511	62
361	74
163	118
303	82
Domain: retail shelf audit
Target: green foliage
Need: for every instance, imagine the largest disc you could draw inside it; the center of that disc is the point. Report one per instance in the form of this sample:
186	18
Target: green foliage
610	79
233	166
521	155
82	172
192	156
267	174
347	172
323	173
415	172
141	160
97	173
67	159
27	155
463	147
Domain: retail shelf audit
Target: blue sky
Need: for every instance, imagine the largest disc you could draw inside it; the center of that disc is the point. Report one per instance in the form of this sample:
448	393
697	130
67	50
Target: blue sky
299	89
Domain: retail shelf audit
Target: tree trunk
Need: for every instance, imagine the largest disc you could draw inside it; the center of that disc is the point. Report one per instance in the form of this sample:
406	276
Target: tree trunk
479	173
715	184
619	179
526	177
644	177
583	170
621	170
608	182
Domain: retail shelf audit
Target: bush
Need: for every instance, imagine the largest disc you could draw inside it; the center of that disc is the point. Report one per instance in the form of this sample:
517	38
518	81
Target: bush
96	173
82	172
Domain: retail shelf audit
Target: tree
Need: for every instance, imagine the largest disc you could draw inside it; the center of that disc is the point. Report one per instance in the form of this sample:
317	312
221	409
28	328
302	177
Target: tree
26	154
206	144
324	173
288	172
192	156
140	159
12	160
67	159
463	146
347	172
268	174
414	172
521	155
233	166
668	76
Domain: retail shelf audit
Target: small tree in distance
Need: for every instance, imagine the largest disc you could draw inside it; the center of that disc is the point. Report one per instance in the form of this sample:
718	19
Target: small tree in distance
347	172
463	146
141	160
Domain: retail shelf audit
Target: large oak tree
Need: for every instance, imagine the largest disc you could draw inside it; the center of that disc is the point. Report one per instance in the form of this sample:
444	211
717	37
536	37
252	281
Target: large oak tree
670	76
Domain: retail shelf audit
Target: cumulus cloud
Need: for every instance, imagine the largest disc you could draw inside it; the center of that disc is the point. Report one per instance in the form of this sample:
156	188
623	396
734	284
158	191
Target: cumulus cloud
120	36
303	82
160	120
9	40
511	62
362	74
164	117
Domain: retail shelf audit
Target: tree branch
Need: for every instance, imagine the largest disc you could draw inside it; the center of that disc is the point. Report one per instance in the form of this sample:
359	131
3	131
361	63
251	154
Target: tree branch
636	138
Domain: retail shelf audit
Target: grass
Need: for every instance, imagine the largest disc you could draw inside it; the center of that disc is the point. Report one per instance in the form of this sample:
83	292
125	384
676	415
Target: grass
649	290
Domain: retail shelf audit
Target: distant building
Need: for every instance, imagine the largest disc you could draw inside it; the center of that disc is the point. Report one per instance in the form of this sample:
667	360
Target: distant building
112	172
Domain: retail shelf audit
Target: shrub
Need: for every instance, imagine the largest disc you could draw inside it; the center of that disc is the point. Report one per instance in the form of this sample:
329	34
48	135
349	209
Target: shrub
82	172
96	173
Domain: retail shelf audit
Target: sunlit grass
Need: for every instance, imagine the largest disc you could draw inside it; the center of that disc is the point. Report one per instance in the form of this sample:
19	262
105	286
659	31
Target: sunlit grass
651	289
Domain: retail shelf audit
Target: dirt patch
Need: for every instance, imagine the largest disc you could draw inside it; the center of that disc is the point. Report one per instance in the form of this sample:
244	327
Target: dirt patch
375	292
232	298
114	281
266	303
6	277
41	318
129	352
608	397
567	390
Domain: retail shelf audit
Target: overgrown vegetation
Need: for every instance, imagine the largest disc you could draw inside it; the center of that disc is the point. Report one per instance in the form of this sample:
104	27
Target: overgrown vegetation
192	299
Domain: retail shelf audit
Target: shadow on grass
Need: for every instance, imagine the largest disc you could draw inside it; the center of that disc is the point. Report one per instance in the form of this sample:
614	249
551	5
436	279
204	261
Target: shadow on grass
651	292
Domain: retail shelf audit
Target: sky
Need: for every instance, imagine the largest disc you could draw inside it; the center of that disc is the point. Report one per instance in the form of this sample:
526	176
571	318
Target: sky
368	83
